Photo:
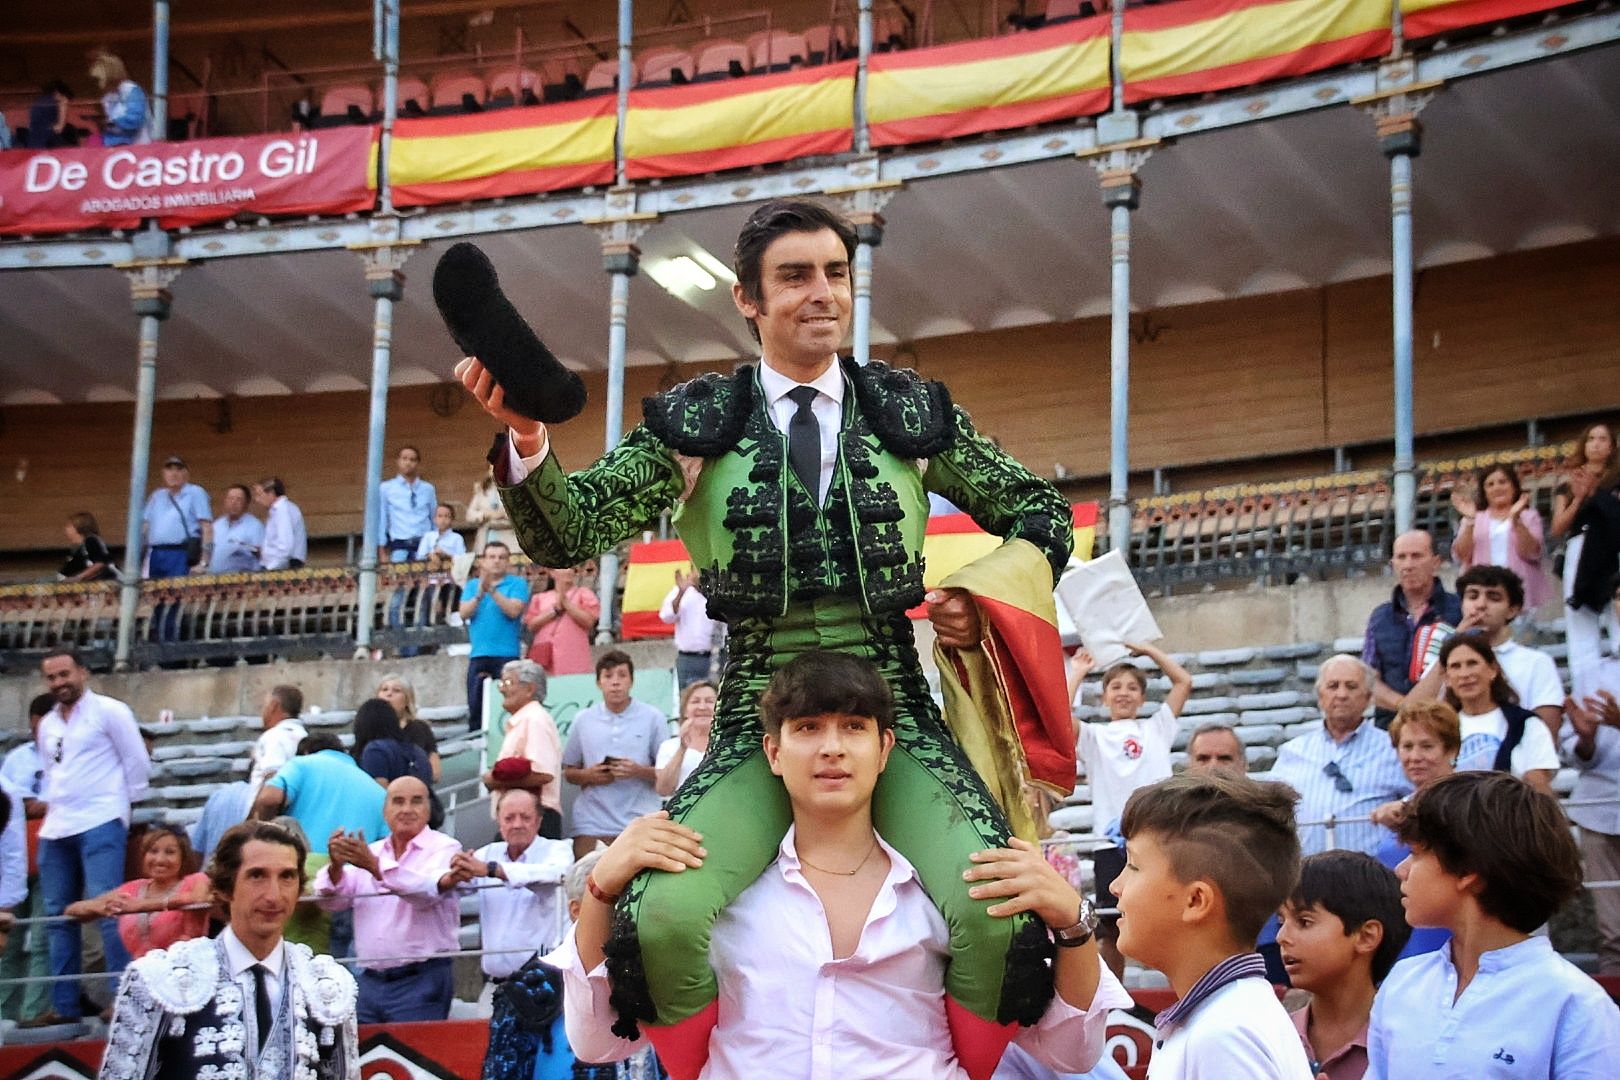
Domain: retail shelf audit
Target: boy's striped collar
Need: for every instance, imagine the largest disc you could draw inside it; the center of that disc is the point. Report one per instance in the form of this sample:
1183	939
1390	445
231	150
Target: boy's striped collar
1242	966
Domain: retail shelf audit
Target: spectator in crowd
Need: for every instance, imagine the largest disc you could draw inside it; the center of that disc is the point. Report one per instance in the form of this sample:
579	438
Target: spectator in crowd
126	119
48	121
272	1009
1427	736
325	791
407	504
609	756
401	695
442	543
1592	744
409	908
22	774
829	713
1418	601
1496	732
492	607
1500	528
1212	858
286	541
226	806
485	510
96	766
13	854
176	523
683	752
1492	859
531	750
1122	755
520	916
151	911
1342	931
237	535
561	620
1345	770
1216	746
283	731
687	610
1586	508
1492	598
380	746
88	559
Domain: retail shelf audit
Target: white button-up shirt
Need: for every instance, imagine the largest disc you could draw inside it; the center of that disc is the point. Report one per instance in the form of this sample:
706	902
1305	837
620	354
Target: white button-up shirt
1366	759
285	537
1600	777
95	765
274	749
240	962
789	1009
1527	1012
694	630
524	914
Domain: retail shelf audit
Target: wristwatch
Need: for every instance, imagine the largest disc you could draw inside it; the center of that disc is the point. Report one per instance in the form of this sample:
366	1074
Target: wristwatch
1072	937
492	870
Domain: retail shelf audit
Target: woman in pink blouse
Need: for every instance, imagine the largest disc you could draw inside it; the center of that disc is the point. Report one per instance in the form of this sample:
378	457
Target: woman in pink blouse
148	909
562	620
1500	528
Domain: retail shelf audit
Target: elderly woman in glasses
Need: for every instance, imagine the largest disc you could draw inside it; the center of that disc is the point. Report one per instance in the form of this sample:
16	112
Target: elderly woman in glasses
1347	769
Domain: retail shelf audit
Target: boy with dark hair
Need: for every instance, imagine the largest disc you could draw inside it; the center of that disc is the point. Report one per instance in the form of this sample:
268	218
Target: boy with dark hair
1492	859
1208	860
832	962
609	756
1342	930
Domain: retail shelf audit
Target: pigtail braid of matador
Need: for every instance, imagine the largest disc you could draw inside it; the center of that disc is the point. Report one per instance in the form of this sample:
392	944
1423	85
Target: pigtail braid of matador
1026	988
630	997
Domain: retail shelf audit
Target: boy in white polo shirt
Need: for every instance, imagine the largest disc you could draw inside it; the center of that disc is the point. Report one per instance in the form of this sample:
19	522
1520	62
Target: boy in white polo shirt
1122	755
1210	858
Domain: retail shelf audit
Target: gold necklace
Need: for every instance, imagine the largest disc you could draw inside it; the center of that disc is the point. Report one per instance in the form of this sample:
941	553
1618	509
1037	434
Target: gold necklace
843	873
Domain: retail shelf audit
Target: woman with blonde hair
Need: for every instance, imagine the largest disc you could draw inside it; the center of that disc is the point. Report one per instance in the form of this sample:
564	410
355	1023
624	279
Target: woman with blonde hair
125	116
397	691
683	752
486	511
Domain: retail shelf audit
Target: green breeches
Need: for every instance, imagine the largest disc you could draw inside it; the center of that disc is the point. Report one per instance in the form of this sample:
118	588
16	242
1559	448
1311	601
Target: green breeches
928	804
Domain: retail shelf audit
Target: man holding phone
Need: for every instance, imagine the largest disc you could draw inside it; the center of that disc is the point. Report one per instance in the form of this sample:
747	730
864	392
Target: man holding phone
609	756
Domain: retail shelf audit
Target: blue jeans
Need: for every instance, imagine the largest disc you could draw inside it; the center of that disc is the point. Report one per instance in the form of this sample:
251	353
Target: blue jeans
477	668
691	668
73	868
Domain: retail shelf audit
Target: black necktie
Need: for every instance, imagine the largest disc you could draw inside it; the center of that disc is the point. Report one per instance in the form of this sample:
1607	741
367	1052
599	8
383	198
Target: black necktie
261	1003
804	442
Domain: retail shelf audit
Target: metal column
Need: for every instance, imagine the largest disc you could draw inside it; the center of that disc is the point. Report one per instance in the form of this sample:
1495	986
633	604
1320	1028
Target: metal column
385	47
160	70
1401	147
622	91
386	284
151	301
621	259
868	235
863	133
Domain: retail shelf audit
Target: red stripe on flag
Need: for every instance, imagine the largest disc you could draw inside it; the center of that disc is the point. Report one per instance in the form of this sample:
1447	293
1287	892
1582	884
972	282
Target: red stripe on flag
497	185
657	551
1438	20
739	157
990	118
1299	62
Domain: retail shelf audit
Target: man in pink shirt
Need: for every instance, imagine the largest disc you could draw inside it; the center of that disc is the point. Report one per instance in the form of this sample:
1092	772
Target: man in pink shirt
402	889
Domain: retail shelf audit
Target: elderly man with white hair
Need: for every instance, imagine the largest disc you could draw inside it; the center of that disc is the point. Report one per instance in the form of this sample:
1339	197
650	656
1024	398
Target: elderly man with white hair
1348	768
531	736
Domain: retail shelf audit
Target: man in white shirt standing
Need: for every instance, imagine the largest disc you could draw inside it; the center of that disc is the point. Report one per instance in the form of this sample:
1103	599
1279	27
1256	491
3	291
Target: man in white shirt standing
286	541
96	765
687	610
521	914
282	733
832	963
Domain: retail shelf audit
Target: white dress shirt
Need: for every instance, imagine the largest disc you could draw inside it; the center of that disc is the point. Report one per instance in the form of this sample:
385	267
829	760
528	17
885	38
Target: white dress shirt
14	852
241	963
95	765
449	542
828	408
1527	1012
274	749
788	1009
285	537
694	630
527	915
1532	674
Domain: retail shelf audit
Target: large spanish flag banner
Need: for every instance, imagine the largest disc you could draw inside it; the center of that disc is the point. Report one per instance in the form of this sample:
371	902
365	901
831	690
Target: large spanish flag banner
951	542
1425	18
522	151
1055	73
1204	45
738	123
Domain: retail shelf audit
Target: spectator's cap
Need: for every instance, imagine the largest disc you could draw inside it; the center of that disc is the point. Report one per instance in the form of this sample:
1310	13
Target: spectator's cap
174	459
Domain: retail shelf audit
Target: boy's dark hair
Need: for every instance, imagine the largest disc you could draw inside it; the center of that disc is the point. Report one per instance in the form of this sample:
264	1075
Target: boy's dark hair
1493	577
774	219
1125	667
374	719
1356	889
1496	826
40	705
614	658
1233	832
818	683
226	861
315	743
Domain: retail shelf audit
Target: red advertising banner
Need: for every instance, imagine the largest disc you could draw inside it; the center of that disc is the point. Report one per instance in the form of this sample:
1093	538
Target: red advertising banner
186	183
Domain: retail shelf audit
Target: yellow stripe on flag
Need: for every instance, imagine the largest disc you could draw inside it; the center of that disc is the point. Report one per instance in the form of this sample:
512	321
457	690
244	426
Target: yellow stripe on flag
780	112
902	93
1246	34
469	155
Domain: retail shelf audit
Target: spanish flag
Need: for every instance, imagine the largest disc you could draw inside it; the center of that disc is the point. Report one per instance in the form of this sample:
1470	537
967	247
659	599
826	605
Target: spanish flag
648	578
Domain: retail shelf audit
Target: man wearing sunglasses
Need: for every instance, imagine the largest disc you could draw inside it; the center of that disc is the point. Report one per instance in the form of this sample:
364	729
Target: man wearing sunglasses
1346	769
95	765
